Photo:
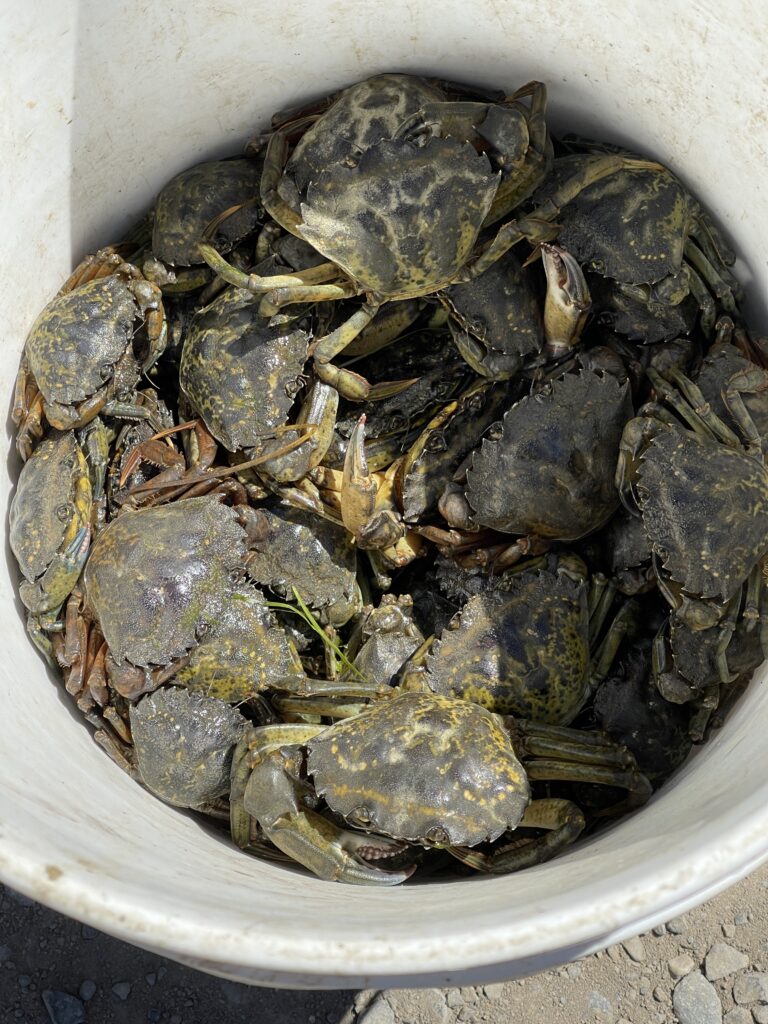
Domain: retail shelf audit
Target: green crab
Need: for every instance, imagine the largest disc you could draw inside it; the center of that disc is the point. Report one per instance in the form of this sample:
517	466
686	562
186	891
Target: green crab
85	352
418	769
50	528
641	229
185	208
369	216
702	497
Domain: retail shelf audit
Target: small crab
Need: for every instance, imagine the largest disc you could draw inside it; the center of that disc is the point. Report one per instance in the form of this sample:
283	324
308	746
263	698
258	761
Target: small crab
186	206
50	528
547	470
530	647
184	743
292	549
418	769
85	351
239	373
703	498
384	639
642	229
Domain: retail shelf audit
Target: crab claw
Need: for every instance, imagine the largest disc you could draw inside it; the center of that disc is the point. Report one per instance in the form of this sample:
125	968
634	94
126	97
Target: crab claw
55	585
567	302
371	527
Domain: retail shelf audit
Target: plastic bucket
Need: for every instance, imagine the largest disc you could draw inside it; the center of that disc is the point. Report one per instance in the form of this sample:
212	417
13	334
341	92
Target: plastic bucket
103	104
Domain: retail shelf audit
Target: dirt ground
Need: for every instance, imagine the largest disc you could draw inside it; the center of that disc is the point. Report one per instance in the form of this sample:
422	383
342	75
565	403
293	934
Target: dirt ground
707	967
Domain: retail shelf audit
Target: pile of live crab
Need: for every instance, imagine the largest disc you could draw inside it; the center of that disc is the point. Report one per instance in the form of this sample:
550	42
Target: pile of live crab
393	495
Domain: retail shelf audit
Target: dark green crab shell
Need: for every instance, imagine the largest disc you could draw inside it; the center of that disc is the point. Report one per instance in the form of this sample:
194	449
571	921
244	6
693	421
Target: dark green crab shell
245	652
705	510
311	554
498	313
158	578
630	226
79	336
45	501
423	768
551	473
359	117
191	200
239	373
524	652
404	220
183	743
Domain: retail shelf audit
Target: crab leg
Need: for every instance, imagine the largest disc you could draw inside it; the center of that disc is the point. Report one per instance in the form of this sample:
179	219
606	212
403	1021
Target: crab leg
707	272
564	822
317	275
350	385
746	382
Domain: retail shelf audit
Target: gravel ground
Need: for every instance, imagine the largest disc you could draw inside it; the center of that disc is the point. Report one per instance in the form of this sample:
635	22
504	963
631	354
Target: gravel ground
708	967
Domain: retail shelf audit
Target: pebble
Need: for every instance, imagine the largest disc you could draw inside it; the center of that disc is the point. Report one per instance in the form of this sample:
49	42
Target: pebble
63	1008
614	952
760	1013
660	929
24	980
741	919
573	971
153	1015
722	960
5	954
635	949
660	994
88	933
680	965
751	987
597	1003
738	1015
419	1004
379	1012
87	990
453	998
122	990
729	931
677	925
695	1001
494	992
150	978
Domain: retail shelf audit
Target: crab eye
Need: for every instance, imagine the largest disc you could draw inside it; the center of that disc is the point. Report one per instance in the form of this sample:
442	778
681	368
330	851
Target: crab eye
361	815
438	836
436	443
106	371
64	512
202	631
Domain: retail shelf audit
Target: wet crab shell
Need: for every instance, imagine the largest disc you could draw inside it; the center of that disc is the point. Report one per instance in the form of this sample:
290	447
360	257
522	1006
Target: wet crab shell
184	743
694	652
46	502
240	373
190	201
302	551
630	226
79	336
404	220
423	768
359	117
551	472
245	652
705	511
523	652
501	308
157	578
717	369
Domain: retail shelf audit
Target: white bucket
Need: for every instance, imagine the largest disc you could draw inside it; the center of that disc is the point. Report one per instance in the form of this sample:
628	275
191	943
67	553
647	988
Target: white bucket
103	104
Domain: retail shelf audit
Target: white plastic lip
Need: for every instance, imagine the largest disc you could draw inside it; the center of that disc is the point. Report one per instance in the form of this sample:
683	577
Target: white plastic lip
102	109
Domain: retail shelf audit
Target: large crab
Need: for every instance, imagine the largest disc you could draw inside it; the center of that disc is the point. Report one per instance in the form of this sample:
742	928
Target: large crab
370	216
419	769
85	351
